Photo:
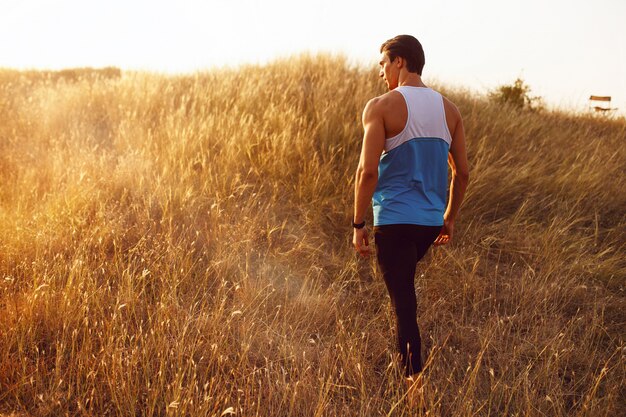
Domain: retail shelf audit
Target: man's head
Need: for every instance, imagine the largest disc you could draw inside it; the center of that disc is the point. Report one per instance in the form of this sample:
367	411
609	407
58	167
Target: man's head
403	51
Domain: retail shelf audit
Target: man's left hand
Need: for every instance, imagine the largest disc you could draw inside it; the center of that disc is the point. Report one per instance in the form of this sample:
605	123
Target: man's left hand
361	242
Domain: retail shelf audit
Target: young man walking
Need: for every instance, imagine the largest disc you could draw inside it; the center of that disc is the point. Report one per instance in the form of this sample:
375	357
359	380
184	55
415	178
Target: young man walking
412	134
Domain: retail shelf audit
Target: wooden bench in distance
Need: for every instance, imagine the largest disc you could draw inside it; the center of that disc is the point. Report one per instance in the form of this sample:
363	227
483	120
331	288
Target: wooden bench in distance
599	108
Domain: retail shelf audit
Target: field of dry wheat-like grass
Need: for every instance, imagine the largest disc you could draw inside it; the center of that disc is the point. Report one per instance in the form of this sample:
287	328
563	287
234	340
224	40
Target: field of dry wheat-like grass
180	245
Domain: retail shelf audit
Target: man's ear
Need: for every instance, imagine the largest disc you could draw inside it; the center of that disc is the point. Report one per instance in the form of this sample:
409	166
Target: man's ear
400	62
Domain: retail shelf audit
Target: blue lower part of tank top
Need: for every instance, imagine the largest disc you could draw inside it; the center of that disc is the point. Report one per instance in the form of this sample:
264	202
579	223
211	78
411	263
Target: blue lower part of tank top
412	183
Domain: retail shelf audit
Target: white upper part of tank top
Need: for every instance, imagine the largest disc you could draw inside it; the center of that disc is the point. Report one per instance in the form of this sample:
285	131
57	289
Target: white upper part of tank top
426	117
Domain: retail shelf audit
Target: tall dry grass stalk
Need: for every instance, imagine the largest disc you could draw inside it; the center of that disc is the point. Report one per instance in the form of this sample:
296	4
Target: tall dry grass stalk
181	246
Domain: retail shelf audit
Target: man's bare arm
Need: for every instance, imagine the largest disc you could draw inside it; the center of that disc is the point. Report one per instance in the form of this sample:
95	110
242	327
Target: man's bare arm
366	176
367	171
457	159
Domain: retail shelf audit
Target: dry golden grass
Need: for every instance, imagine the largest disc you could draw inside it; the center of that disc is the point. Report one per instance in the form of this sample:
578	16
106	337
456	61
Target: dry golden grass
181	246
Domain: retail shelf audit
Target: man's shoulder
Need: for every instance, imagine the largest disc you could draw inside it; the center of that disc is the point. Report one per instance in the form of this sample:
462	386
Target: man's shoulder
390	97
385	101
450	108
452	113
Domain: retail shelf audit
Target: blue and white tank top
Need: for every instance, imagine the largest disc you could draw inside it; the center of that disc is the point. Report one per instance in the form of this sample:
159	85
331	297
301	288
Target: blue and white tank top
413	169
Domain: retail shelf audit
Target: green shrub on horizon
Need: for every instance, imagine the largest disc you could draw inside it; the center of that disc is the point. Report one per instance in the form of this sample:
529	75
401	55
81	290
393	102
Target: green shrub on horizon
517	95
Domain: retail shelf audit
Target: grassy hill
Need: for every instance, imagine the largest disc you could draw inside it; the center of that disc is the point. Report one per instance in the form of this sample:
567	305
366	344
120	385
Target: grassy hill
180	245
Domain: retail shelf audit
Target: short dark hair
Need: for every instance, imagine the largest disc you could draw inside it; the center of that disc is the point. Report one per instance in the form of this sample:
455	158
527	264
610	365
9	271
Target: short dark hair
408	48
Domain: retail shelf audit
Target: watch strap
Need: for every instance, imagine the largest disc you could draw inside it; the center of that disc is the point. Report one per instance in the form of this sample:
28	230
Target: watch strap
358	225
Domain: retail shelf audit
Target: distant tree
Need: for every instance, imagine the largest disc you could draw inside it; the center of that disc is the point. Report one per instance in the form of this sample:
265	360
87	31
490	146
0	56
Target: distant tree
516	95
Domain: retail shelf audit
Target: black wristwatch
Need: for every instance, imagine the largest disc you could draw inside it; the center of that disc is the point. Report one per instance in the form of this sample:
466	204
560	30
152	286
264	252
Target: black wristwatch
358	226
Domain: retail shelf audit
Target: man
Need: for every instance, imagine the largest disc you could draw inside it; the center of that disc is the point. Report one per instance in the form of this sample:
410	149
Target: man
412	133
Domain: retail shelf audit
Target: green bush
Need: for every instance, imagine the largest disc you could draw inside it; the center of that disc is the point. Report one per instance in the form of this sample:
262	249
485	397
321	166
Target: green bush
516	95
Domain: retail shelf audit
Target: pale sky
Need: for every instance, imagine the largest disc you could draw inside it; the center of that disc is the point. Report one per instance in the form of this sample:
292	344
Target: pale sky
565	50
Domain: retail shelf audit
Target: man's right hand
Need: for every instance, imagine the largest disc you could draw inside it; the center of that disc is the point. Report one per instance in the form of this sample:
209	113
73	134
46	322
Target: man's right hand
445	236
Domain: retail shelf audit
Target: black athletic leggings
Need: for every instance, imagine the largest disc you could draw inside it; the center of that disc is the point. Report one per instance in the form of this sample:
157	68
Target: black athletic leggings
398	249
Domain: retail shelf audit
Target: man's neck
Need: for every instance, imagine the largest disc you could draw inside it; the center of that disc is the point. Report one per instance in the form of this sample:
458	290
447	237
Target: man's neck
411	79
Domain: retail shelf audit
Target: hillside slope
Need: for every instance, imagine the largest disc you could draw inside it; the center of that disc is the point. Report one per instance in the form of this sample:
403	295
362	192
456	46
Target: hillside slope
181	246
